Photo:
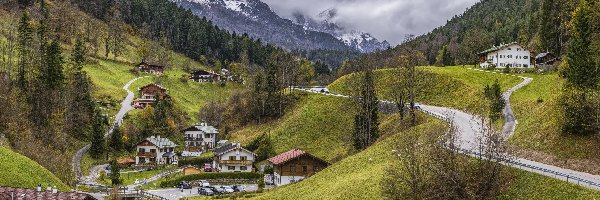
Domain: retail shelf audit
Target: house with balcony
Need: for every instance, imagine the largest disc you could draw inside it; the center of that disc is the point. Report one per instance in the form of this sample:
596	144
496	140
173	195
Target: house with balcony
200	137
511	55
156	151
233	158
205	76
150	68
150	94
295	165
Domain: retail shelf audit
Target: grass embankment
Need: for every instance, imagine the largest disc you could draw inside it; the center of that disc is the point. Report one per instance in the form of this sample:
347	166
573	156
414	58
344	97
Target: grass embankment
321	125
19	171
536	108
129	178
456	87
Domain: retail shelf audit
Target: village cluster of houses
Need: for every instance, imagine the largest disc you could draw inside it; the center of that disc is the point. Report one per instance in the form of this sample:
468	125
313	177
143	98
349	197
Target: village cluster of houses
514	55
289	167
201	76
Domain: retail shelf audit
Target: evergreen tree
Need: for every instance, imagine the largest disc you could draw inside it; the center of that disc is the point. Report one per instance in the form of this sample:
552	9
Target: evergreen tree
79	114
581	72
580	111
496	102
53	76
78	56
366	122
116	140
97	147
549	27
115	173
25	42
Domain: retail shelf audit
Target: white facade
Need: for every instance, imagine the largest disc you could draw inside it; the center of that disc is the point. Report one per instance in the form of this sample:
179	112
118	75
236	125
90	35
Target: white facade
236	159
279	180
202	137
511	55
156	150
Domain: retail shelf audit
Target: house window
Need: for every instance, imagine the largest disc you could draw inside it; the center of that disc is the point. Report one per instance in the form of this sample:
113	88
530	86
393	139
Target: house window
525	57
243	168
316	169
230	167
509	49
304	169
152	150
525	65
243	158
502	64
509	56
142	150
232	158
292	168
207	136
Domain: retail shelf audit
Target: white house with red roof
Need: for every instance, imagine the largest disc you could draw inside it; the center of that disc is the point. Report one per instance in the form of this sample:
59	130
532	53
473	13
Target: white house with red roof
295	165
511	55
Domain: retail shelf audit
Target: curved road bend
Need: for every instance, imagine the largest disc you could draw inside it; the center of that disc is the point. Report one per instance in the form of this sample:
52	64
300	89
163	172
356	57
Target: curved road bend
125	107
469	131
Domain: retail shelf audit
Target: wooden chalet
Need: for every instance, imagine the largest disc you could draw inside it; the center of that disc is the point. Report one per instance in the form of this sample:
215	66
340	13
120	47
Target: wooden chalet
205	76
149	94
295	165
151	68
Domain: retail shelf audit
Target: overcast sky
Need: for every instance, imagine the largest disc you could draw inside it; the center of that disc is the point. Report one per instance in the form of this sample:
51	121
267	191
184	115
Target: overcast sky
386	19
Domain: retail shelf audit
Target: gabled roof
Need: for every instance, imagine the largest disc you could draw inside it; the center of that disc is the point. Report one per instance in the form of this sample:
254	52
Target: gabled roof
498	48
230	147
150	64
541	55
290	155
204	128
204	72
153	84
26	194
160	142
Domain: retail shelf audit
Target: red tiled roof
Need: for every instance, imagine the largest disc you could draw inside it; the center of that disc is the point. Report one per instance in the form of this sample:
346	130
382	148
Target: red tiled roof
287	156
27	194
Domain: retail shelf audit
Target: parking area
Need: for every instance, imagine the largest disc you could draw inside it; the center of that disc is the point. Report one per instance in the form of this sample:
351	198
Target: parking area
175	194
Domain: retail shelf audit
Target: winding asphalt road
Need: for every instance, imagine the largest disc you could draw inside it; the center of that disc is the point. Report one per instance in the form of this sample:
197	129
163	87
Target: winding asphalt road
470	132
76	162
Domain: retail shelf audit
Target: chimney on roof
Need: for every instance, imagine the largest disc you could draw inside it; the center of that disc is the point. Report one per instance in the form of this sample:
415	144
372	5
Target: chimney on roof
39	187
49	188
54	191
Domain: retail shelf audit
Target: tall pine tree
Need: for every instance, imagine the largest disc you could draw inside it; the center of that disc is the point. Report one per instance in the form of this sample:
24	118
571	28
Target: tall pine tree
25	47
366	121
550	26
98	143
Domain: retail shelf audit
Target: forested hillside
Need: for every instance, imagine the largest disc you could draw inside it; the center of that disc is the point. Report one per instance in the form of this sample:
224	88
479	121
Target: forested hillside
540	25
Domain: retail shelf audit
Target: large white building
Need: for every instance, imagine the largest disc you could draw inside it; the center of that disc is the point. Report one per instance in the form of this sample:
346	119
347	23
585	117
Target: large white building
201	137
510	55
156	150
233	158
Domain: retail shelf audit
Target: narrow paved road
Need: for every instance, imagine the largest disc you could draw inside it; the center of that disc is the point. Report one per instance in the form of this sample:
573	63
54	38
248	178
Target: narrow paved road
470	132
125	107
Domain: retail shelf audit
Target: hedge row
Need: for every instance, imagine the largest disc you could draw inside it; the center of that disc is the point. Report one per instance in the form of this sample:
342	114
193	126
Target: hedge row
199	161
213	175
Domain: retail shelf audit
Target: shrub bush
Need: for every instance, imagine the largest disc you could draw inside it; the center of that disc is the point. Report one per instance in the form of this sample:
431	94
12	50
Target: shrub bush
199	161
212	176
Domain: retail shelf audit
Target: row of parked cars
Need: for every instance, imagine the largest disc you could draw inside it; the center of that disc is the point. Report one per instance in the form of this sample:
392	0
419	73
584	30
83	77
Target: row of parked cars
208	190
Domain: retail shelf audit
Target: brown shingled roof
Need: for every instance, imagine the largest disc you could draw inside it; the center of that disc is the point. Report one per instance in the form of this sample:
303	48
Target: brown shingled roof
290	155
27	194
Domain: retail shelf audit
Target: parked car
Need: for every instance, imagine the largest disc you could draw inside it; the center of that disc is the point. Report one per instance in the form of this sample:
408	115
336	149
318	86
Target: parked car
207	168
218	190
206	191
227	189
239	188
184	185
204	183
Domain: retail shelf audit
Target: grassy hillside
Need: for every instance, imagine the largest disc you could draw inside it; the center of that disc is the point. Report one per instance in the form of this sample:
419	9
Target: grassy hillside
359	176
321	125
456	87
19	171
536	108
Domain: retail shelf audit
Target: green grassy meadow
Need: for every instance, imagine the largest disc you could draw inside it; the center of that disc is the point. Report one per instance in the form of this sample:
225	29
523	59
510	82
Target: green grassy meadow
17	170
